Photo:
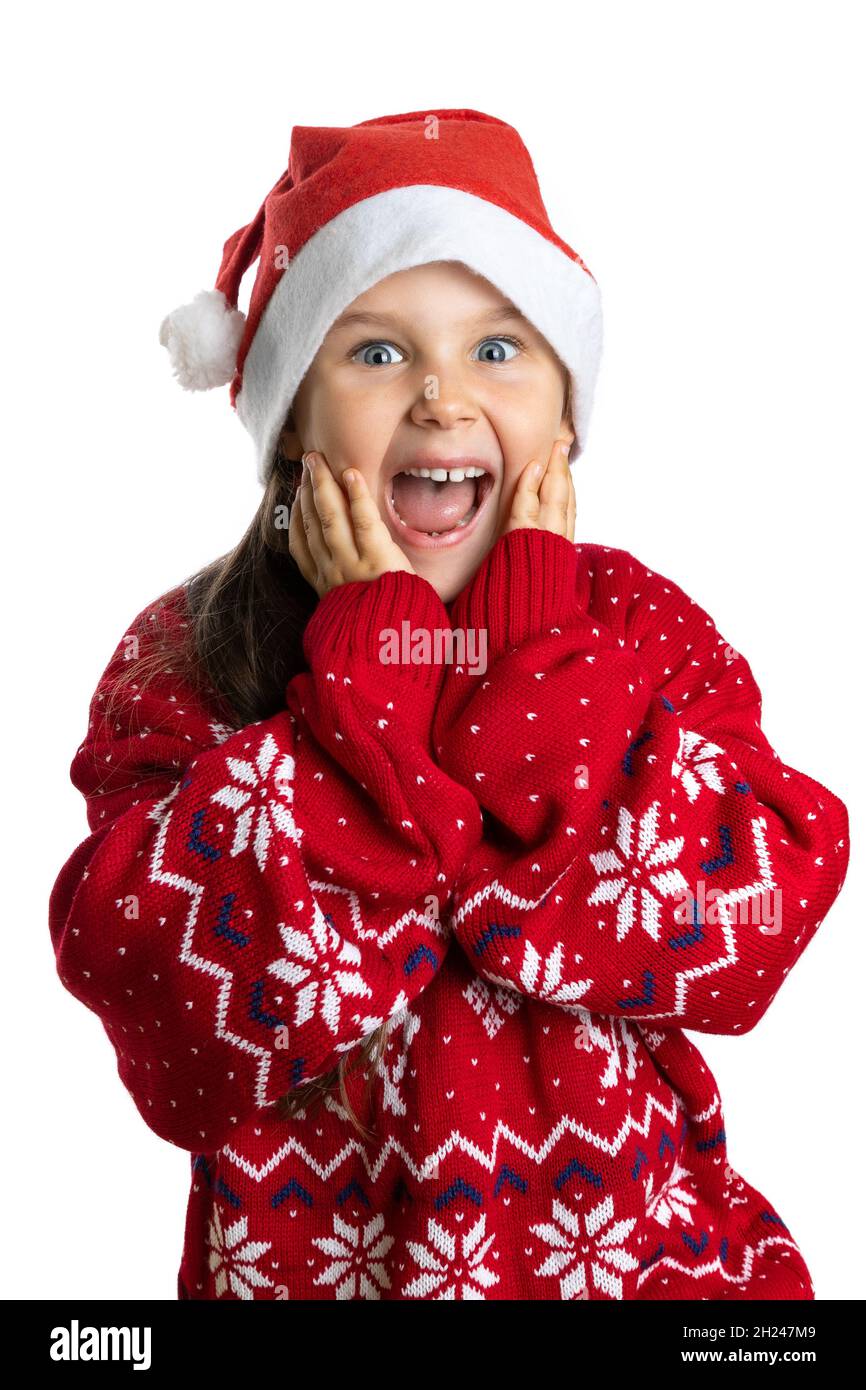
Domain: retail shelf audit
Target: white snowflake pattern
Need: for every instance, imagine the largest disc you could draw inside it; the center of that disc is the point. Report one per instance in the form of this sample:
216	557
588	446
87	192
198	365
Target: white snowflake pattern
494	1007
601	1246
233	1258
357	1254
695	764
322	966
221	731
262	795
638	879
447	1273
614	1039
672	1199
550	985
393	1074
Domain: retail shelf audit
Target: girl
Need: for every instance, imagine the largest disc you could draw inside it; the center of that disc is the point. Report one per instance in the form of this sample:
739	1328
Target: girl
420	833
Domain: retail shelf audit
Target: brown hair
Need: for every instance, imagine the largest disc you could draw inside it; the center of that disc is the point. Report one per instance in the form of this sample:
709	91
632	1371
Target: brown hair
243	643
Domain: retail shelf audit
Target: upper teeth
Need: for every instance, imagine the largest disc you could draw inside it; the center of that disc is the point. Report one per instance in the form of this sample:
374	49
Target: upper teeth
441	475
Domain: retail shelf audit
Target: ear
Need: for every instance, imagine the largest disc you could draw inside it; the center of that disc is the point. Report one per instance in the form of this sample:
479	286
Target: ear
289	441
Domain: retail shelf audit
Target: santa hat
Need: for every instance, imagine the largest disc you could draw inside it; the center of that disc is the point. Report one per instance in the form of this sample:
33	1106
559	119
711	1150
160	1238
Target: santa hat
357	204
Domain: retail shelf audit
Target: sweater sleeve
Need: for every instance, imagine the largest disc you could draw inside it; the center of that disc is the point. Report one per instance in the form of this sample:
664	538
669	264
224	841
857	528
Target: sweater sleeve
646	852
251	903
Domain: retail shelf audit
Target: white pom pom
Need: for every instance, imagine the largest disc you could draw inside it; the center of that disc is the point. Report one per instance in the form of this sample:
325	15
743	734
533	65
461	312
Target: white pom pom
203	338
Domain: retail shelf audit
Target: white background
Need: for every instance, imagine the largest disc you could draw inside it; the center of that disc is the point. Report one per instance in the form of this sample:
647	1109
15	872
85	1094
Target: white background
706	161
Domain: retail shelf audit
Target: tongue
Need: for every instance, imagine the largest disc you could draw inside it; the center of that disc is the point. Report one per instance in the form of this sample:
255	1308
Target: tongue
430	506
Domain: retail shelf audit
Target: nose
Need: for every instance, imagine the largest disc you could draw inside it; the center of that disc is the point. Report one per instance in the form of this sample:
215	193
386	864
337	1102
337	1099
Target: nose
444	399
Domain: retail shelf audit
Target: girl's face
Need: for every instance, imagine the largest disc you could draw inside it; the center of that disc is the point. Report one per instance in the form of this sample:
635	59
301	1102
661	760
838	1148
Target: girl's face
433	368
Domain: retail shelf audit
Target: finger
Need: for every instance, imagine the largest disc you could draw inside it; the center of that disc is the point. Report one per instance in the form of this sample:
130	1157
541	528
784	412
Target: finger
335	521
370	530
554	490
572	509
298	545
525	505
311	524
307	520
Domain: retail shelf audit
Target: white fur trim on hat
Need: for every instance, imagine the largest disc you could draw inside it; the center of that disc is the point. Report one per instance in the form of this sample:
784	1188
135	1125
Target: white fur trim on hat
203	338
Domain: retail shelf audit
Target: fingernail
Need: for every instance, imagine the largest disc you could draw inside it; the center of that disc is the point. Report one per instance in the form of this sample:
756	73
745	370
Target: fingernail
564	448
536	472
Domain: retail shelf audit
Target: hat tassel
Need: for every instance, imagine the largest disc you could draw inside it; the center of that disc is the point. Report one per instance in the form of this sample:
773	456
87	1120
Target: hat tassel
202	339
204	336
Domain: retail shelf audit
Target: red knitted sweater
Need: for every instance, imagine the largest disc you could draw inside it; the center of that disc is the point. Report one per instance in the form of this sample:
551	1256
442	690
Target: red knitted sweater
539	875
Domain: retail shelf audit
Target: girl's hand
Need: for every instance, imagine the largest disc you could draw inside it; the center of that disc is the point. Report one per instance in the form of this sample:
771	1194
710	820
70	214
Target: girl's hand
334	540
544	497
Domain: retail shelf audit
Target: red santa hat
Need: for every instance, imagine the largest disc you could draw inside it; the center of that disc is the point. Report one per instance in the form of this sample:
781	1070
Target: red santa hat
357	204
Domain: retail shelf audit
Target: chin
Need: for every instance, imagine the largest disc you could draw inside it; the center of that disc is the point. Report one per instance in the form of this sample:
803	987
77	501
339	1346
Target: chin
450	575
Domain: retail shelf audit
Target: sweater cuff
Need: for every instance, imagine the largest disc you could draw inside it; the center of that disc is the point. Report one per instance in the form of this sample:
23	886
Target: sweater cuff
382	634
524	586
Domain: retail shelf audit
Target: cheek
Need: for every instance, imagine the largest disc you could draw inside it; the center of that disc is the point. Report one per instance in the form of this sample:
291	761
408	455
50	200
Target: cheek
530	414
528	436
354	427
520	430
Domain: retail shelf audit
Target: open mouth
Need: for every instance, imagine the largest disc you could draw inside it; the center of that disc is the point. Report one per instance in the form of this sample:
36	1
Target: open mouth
438	506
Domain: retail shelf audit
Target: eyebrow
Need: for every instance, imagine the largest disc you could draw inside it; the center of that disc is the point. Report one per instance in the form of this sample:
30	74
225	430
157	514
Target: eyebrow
505	311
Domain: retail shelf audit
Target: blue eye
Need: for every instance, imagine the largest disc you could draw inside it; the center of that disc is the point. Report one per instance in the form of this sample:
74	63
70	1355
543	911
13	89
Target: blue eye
513	342
376	346
381	345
